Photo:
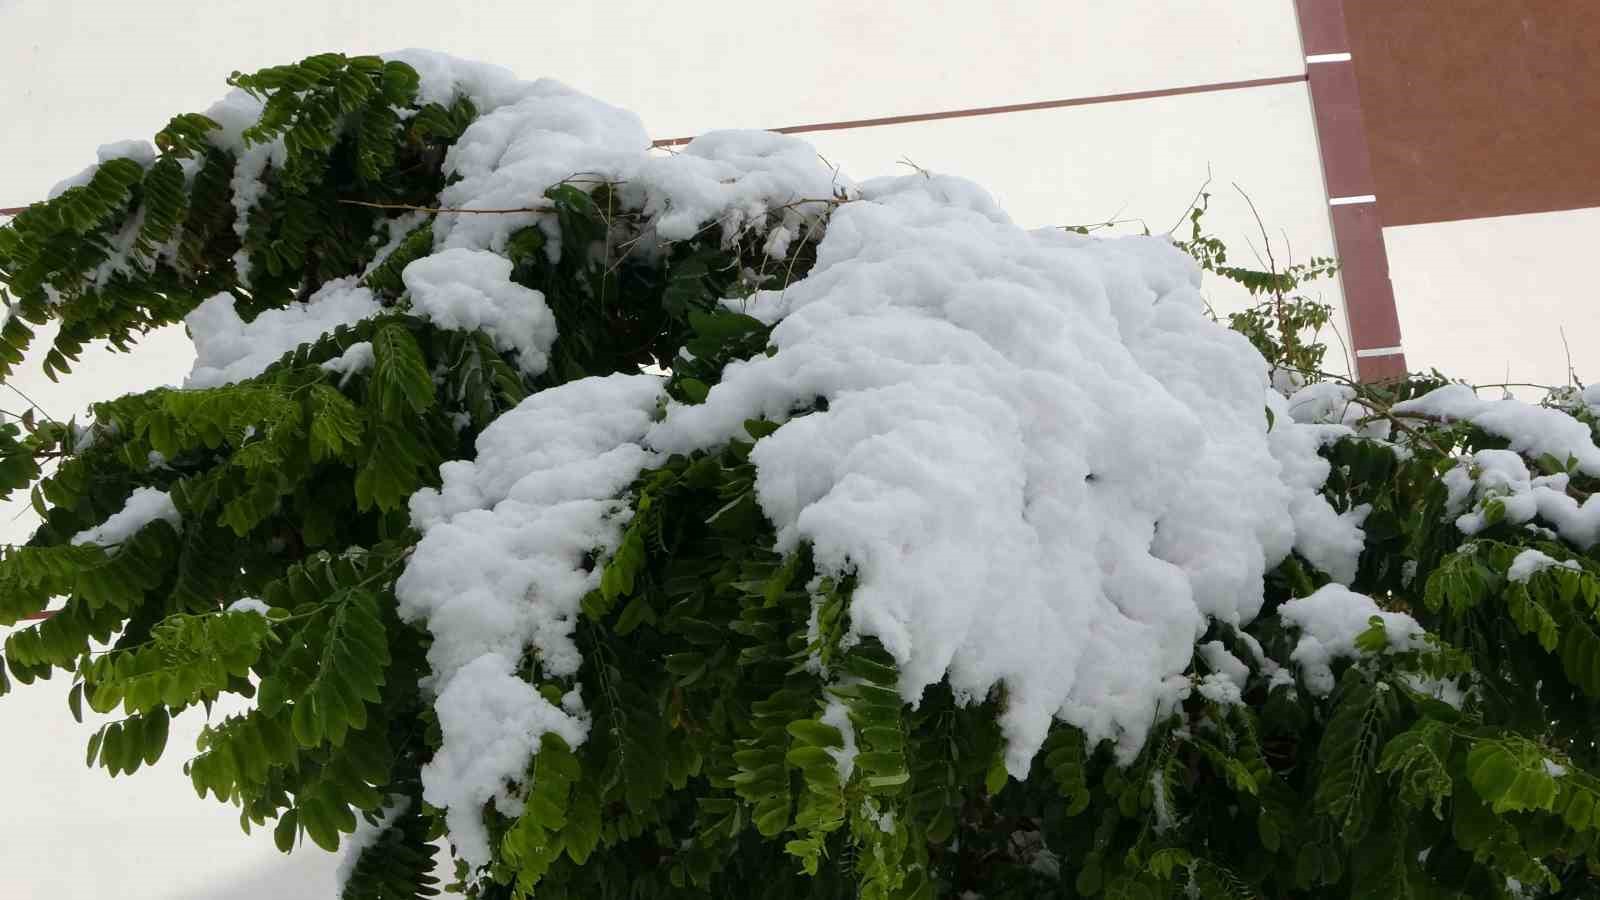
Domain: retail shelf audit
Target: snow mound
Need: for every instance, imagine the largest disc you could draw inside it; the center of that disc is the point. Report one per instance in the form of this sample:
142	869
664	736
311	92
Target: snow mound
504	562
1502	477
1046	465
1532	430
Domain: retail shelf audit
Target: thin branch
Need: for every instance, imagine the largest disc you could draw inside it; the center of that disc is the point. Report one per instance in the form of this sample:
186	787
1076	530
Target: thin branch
1572	375
1266	242
1193	203
443	209
19	393
1512	384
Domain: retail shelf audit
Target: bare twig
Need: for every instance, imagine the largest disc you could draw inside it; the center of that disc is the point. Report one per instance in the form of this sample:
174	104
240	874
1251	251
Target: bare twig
19	393
920	170
1193	203
1512	384
1109	223
1266	242
1572	375
442	209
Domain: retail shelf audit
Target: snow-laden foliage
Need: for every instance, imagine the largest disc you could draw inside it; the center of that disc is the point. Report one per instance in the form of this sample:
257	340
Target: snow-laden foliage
659	524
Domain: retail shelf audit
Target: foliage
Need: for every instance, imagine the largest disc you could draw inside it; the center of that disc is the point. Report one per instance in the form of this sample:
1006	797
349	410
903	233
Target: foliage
1279	319
739	744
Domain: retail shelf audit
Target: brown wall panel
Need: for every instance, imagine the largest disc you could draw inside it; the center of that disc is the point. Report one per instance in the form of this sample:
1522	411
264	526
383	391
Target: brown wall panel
1322	28
1340	129
1479	107
1373	322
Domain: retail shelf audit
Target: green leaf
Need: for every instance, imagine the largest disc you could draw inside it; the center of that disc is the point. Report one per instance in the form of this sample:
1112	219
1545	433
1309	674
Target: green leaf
1511	775
1460	582
395	464
336	424
1348	756
400	378
1419	758
1066	758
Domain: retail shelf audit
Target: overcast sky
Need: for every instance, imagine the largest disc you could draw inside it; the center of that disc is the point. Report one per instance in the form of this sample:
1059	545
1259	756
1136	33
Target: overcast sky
78	74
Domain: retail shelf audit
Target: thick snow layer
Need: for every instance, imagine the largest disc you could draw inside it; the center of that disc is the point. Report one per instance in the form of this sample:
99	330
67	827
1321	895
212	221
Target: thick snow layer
145	505
508	158
1532	430
228	349
1047	466
504	562
1220	689
1330	620
531	136
472	290
1502	476
1530	562
736	178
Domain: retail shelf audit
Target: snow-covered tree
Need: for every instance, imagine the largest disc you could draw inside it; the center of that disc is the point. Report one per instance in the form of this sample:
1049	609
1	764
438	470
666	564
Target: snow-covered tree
646	524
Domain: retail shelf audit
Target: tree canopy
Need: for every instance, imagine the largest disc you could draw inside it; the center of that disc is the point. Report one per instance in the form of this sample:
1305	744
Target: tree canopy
636	524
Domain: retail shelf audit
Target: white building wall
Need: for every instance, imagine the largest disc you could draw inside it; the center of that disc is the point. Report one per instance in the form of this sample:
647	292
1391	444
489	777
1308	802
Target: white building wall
1500	299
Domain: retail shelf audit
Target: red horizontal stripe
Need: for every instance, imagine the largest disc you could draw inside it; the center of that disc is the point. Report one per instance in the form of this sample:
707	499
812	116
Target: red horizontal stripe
1020	107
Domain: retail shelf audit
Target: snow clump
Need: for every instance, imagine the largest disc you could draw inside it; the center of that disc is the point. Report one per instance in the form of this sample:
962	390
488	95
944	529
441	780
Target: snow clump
228	349
1330	620
144	505
502	567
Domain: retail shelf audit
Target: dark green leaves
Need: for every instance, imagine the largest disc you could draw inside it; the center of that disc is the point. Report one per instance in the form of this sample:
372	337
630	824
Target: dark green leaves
336	425
1347	788
398	864
1419	758
400	379
1461	582
384	279
393	469
86	206
1065	758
